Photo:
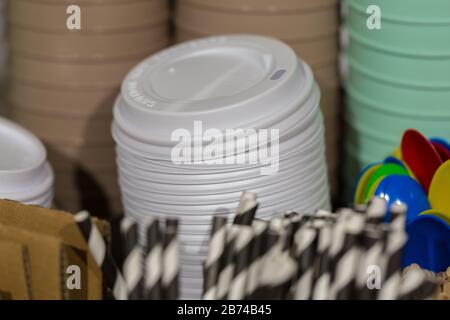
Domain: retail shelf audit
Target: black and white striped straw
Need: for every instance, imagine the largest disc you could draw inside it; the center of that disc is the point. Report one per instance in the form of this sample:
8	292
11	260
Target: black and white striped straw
322	273
344	286
247	209
153	261
226	263
368	282
102	256
215	253
256	256
171	260
132	265
372	242
376	211
277	267
305	250
242	250
336	247
392	254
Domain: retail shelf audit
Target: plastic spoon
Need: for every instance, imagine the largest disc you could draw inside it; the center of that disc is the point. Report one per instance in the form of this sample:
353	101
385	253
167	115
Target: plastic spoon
420	155
428	243
439	194
404	189
442	150
438	214
384	170
361	182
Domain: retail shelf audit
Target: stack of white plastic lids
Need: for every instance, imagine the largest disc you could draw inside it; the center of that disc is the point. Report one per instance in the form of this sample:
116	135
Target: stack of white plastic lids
218	84
25	174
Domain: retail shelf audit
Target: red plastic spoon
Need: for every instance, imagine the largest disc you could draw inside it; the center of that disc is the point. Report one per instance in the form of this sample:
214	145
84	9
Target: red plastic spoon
420	155
443	152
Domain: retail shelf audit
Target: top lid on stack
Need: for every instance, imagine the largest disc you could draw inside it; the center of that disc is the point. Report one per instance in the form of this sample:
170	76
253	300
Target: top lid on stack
245	82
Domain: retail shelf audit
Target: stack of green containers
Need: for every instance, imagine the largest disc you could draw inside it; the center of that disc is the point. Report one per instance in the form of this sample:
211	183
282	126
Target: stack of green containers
399	77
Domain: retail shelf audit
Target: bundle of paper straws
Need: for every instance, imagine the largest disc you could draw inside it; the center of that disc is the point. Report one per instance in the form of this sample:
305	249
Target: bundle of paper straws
351	254
143	272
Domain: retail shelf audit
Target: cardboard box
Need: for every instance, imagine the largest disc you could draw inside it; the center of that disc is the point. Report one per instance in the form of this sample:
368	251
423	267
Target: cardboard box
54	243
15	278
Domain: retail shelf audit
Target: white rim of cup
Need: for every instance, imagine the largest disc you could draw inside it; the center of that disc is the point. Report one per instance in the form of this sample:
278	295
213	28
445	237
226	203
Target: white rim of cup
33	192
23	176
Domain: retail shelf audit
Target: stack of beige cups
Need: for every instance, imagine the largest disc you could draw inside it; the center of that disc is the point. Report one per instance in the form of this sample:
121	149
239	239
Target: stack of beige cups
67	61
310	27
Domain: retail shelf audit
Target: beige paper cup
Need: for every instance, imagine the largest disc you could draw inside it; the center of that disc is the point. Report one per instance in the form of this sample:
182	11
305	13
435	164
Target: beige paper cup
316	52
330	103
100	205
82	188
86	162
288	27
99	158
327	76
95	17
85	180
76	103
89	46
47	125
70	75
265	6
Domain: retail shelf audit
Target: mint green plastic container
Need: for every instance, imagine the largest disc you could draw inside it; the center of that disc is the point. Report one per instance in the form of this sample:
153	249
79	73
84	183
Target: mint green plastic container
390	122
369	143
417	101
419	11
402	68
421	35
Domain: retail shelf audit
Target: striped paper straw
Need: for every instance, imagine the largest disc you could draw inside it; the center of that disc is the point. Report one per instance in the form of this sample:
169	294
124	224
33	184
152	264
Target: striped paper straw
153	261
293	224
271	246
247	209
347	259
215	253
260	229
322	274
338	235
376	211
305	243
227	264
392	255
242	251
132	264
102	256
372	248
278	267
171	260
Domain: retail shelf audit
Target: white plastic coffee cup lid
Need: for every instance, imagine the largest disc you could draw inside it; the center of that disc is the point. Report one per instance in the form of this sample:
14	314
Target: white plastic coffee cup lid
23	156
224	81
39	186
